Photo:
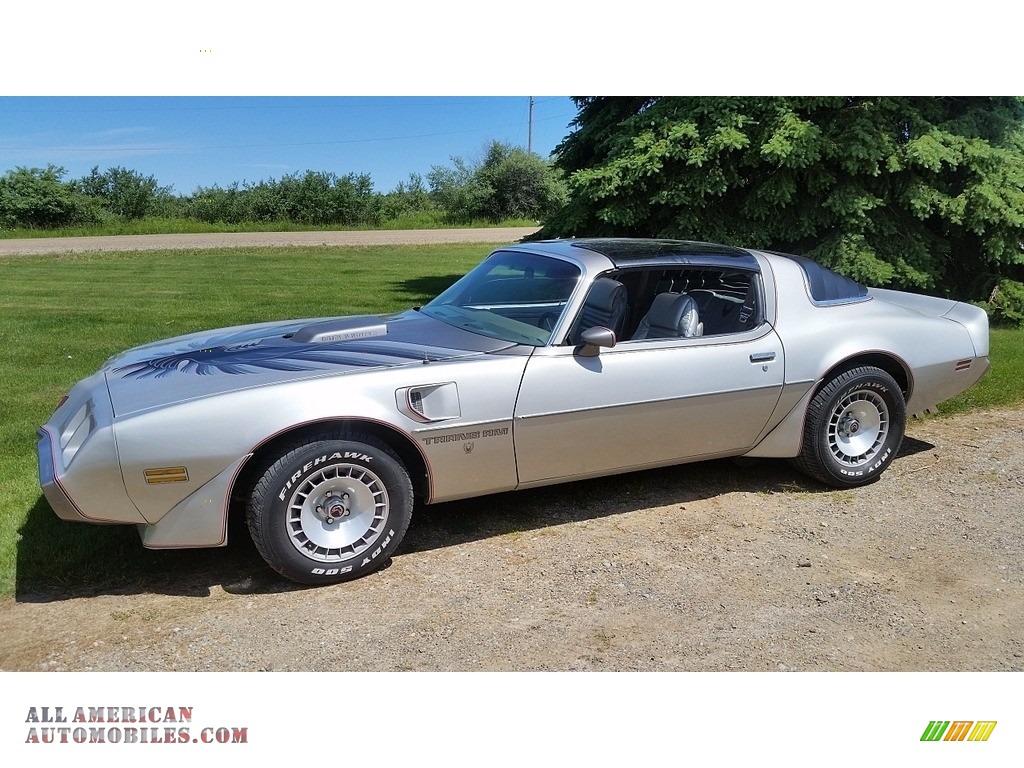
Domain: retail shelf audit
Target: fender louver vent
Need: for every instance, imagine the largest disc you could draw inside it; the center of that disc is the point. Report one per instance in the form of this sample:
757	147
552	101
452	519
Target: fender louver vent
429	402
416	401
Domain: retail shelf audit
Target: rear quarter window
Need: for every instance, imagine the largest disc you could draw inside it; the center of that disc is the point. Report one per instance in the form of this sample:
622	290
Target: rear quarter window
825	286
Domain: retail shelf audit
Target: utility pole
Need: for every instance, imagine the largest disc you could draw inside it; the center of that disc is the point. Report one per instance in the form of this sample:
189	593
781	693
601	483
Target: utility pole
529	133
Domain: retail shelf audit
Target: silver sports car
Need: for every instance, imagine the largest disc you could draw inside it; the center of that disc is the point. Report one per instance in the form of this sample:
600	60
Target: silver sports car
549	362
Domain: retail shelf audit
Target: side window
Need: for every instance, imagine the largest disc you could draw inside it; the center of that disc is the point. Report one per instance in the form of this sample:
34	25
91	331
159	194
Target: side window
730	303
690	302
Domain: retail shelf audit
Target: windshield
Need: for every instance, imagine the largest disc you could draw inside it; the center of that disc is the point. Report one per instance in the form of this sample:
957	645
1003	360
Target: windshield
517	297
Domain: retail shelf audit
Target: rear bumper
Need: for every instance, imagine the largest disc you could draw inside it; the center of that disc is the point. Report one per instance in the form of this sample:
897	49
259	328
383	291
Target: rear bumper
936	383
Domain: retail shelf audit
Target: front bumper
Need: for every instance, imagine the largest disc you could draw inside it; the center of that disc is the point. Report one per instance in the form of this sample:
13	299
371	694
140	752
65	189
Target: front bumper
79	471
55	494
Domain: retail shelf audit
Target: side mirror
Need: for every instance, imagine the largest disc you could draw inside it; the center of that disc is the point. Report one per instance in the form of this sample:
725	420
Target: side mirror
593	339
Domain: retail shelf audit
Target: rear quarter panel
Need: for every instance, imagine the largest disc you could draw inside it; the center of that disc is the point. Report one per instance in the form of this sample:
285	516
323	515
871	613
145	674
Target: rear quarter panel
819	338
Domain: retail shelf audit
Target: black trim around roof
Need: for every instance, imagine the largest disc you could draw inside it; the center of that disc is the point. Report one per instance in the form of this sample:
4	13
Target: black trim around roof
626	252
633	249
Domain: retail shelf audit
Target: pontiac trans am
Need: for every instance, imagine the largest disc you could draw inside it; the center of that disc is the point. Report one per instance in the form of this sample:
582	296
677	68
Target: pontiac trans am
549	362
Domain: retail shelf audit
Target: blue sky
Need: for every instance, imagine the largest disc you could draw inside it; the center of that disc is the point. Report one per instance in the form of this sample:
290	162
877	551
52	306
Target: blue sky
183	93
200	141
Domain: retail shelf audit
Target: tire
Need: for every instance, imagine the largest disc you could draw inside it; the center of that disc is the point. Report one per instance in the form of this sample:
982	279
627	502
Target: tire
331	509
854	428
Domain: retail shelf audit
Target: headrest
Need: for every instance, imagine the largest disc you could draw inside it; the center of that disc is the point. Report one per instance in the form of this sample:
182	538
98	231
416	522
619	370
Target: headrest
606	294
675	313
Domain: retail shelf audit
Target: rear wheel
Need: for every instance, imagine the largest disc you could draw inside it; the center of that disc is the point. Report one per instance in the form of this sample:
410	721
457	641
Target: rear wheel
331	509
854	428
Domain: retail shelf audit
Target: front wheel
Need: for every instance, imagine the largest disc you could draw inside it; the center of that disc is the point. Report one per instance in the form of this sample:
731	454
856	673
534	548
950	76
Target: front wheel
854	428
331	509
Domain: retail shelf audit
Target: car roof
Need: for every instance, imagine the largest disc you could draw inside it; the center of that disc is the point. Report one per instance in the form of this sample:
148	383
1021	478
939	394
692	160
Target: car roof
625	252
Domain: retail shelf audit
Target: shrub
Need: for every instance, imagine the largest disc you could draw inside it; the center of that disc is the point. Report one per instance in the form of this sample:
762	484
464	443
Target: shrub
123	192
218	204
36	197
510	183
1005	306
407	198
315	197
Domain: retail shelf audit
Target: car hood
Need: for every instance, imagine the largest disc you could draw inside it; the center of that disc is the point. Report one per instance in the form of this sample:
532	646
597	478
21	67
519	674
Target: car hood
230	359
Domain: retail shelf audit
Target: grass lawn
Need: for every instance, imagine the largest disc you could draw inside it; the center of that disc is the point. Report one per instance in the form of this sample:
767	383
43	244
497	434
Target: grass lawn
61	317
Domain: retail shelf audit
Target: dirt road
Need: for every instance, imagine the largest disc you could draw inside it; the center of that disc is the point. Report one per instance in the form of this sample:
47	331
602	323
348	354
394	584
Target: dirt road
27	246
704	567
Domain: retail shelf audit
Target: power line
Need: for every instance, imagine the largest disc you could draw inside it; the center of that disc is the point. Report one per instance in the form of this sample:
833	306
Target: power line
262	146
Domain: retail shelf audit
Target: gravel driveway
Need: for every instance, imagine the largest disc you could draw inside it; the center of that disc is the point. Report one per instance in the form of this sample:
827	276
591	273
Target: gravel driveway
26	246
711	566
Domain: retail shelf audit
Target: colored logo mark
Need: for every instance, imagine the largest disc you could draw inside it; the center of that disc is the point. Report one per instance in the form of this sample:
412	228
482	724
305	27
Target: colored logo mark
958	730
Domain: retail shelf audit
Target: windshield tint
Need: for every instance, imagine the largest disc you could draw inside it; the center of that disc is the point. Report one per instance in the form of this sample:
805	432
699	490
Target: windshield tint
517	297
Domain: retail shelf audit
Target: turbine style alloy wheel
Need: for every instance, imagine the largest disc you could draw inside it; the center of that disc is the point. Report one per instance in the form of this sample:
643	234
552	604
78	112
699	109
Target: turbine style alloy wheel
337	512
858	427
331	509
854	428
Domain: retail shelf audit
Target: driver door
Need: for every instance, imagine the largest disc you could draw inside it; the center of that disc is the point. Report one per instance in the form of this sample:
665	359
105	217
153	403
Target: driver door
644	404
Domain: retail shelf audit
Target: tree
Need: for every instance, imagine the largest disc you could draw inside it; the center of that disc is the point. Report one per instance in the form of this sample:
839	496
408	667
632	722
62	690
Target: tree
456	191
509	183
122	191
408	197
37	197
317	198
917	193
520	184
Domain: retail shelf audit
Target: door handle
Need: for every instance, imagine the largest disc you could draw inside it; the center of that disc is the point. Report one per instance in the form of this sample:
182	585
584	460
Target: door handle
762	357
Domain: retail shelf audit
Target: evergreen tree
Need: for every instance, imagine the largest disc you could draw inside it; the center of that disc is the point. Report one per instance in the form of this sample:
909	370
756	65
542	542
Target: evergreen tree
919	193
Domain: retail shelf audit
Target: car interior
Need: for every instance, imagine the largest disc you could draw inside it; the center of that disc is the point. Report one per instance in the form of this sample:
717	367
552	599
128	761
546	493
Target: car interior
671	303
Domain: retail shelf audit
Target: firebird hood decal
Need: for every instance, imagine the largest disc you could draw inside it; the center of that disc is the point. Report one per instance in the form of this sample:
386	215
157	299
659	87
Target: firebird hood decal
221	361
390	341
284	356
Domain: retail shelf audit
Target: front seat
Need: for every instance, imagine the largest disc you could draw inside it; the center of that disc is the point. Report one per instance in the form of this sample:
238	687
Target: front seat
605	306
671	316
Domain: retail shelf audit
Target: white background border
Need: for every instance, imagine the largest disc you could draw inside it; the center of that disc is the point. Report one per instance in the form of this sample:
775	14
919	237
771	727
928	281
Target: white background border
449	47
